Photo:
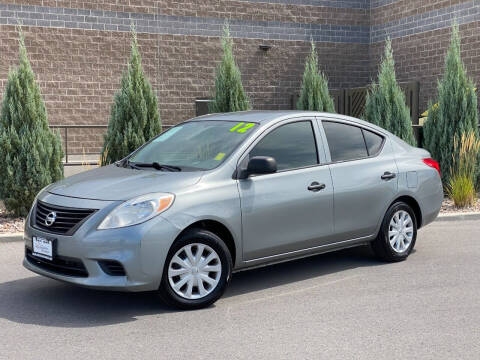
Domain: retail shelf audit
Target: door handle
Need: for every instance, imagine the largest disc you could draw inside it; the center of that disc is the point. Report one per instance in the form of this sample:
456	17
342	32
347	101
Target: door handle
387	175
315	186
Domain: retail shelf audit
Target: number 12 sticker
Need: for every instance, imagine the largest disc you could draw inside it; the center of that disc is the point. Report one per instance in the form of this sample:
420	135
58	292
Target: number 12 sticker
242	127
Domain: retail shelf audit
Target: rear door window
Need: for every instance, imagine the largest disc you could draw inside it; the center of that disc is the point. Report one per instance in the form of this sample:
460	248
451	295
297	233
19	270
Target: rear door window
345	142
373	141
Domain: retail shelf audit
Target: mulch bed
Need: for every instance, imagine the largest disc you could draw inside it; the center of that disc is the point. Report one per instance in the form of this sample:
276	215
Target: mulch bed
14	225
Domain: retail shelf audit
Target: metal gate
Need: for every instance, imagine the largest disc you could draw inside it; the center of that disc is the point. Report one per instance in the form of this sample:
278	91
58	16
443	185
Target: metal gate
355	100
352	101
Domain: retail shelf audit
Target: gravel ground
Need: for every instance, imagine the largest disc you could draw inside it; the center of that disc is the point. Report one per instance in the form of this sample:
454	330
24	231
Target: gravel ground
448	207
9	224
13	225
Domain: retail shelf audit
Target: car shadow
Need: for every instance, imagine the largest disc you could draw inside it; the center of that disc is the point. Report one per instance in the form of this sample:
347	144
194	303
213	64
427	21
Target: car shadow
41	301
301	269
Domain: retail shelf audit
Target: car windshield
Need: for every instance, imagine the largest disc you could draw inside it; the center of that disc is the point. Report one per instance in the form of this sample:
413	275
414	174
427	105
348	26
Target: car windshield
196	145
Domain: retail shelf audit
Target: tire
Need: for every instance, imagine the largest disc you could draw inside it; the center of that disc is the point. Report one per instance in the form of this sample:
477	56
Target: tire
196	286
392	251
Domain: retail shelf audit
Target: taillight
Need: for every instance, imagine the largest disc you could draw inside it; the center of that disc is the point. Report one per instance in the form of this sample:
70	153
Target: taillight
432	163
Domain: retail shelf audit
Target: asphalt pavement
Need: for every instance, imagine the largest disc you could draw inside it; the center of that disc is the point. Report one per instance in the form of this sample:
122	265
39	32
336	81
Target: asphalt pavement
343	305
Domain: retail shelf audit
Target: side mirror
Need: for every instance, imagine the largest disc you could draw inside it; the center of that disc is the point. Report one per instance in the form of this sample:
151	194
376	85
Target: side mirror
258	165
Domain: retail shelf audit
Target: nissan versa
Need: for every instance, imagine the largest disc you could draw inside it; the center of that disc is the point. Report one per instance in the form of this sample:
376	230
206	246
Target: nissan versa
227	192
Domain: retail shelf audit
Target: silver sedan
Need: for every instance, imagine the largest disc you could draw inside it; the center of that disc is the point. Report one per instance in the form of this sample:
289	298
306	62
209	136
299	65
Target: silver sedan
228	192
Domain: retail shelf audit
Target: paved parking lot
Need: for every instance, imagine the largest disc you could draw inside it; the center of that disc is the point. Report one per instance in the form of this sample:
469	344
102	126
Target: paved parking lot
342	305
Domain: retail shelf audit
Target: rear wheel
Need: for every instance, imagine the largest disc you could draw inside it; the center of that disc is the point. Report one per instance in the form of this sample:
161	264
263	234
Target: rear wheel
197	270
397	235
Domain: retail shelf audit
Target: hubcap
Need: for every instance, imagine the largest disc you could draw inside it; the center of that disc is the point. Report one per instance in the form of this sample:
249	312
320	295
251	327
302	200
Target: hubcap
400	231
194	271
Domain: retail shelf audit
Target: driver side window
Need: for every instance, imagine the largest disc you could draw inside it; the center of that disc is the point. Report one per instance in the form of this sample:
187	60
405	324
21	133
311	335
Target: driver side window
292	145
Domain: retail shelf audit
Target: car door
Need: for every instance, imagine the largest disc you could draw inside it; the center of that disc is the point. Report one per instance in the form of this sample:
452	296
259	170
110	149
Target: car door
279	212
364	175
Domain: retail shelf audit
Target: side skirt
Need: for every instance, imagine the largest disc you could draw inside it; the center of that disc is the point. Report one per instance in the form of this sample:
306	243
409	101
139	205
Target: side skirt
303	253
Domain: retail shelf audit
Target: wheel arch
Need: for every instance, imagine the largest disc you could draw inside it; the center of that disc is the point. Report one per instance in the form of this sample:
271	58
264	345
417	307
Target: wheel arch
218	229
413	203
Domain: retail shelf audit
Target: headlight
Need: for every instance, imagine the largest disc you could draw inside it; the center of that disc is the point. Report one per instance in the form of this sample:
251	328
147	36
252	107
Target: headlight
137	210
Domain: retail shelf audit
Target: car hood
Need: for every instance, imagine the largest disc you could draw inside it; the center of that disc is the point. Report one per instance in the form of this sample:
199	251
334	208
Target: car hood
116	183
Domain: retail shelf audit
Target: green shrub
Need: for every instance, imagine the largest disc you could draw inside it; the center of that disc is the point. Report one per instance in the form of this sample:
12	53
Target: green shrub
461	190
134	117
461	183
385	105
314	94
30	154
456	112
465	154
229	93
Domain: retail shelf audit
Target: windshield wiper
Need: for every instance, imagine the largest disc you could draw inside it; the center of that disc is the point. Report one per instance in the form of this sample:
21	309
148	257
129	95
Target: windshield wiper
124	163
154	165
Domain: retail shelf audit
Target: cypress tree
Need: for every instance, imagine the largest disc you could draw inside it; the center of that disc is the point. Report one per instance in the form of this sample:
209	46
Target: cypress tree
134	117
456	112
314	94
30	154
431	142
385	105
229	93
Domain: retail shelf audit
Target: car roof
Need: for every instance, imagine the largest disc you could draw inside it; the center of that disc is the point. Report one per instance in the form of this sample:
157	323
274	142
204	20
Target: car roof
266	116
257	116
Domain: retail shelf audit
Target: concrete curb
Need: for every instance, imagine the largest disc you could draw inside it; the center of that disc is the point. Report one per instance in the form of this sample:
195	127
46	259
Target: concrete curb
11	237
459	216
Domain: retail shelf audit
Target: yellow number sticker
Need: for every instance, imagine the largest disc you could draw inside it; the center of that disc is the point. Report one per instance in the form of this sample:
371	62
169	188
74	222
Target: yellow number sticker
219	156
236	127
245	128
242	127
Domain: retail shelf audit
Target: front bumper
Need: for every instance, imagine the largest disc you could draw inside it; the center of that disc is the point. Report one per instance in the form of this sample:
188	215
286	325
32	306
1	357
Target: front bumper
140	249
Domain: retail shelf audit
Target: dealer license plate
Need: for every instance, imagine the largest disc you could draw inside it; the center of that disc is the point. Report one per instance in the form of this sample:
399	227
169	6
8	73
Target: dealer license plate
42	247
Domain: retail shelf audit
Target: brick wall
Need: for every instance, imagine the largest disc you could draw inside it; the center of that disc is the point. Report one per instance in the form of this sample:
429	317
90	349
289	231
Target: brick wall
420	32
79	48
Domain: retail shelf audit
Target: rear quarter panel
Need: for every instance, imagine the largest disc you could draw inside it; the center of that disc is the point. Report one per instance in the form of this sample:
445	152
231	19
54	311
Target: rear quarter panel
419	181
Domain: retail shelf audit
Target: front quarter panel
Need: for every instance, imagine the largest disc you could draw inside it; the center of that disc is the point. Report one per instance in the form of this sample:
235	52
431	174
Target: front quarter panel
215	198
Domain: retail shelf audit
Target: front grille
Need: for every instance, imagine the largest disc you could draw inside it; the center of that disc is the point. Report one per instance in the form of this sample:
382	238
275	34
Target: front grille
67	220
112	268
59	265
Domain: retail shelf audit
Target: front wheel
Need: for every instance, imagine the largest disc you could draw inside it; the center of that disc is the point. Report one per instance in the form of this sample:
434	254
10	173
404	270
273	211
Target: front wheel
397	235
197	270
